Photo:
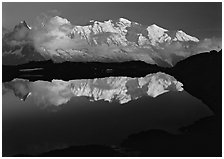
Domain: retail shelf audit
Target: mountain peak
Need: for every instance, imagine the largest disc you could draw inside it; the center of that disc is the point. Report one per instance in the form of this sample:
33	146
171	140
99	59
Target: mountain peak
22	24
182	36
154	26
125	21
116	40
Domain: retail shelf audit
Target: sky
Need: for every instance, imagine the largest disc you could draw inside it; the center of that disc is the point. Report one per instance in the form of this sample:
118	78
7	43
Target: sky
203	20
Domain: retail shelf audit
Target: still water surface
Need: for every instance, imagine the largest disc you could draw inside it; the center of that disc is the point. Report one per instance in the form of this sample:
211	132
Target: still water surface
30	129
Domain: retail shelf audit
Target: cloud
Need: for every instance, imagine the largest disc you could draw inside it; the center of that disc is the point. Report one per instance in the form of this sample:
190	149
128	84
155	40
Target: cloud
51	33
46	29
45	17
50	93
20	88
209	44
43	93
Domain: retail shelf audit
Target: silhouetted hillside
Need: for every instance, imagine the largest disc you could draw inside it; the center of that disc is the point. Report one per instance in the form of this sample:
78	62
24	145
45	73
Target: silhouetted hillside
77	70
158	143
202	77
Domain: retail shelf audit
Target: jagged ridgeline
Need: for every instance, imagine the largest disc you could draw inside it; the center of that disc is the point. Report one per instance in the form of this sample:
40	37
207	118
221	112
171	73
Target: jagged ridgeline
108	41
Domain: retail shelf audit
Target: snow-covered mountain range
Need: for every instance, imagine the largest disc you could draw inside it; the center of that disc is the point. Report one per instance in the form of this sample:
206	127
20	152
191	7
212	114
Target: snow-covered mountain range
107	41
121	89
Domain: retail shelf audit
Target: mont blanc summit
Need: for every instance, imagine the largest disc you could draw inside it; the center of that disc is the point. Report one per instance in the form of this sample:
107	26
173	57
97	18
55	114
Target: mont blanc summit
107	41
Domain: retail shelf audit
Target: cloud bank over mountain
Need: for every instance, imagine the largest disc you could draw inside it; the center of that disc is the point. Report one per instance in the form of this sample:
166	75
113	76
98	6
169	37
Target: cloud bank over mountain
112	40
210	44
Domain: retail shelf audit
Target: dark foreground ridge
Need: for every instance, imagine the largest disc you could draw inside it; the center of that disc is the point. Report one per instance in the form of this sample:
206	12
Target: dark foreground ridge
201	76
48	70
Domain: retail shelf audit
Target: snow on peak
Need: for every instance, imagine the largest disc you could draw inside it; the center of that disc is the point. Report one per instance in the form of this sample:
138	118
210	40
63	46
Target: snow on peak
117	36
156	27
157	34
125	21
119	30
182	36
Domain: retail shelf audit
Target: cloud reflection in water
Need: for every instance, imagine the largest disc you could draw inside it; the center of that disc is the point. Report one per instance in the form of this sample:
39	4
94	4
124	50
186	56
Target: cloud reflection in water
121	89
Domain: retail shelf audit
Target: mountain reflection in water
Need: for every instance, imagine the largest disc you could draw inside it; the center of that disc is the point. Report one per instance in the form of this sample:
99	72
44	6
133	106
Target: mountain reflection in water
27	129
121	89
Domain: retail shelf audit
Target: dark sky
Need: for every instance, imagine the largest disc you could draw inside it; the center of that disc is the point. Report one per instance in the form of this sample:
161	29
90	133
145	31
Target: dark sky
198	19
